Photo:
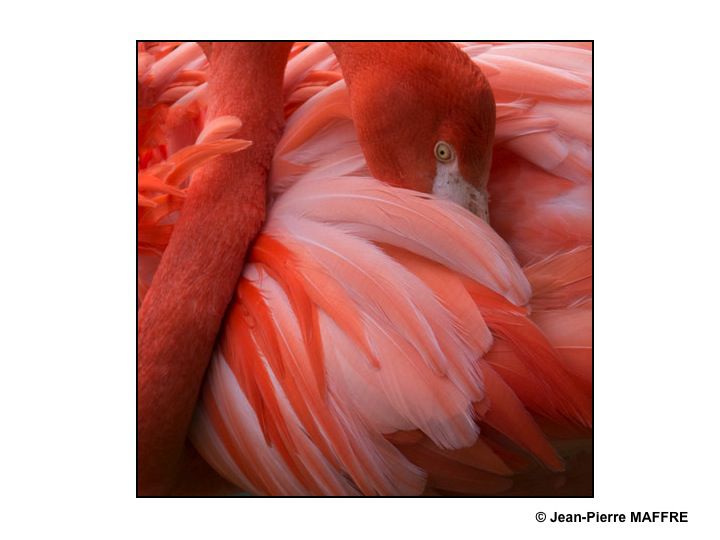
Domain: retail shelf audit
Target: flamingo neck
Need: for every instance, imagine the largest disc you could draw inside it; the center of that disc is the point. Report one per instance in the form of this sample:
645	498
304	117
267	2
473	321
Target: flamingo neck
181	315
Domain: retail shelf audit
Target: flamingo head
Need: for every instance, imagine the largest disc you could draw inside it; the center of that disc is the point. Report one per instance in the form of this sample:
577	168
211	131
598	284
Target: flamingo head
425	117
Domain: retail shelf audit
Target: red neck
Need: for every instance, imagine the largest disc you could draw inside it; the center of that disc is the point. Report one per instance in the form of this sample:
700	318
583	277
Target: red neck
225	207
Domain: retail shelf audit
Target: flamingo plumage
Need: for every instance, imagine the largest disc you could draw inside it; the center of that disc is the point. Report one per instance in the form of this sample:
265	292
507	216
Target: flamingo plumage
383	340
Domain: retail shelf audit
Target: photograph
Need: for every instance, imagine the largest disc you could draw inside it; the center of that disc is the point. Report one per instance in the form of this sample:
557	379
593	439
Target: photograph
364	268
446	274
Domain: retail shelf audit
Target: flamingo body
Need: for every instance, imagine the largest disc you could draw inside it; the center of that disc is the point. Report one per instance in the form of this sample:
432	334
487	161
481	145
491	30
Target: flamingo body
382	340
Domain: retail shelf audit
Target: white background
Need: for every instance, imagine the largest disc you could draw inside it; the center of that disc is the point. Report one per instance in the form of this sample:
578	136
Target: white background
67	274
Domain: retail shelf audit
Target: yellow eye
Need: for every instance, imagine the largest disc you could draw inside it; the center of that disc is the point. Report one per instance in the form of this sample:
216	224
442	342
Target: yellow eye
443	151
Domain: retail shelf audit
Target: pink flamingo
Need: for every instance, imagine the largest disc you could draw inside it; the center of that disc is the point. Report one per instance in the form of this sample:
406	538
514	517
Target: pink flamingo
381	341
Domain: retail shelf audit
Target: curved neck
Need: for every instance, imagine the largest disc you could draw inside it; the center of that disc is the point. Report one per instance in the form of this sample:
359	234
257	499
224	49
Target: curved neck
356	58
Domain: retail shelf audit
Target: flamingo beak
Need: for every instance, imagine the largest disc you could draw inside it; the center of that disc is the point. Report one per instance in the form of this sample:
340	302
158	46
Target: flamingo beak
450	184
479	204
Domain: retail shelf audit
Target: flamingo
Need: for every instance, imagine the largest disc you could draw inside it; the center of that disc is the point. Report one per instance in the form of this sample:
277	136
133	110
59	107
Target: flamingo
383	338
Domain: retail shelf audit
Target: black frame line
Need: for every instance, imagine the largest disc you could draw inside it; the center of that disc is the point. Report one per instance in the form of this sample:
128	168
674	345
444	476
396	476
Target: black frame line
592	206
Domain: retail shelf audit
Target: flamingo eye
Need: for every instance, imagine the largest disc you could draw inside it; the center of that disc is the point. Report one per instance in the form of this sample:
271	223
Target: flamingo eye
444	152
